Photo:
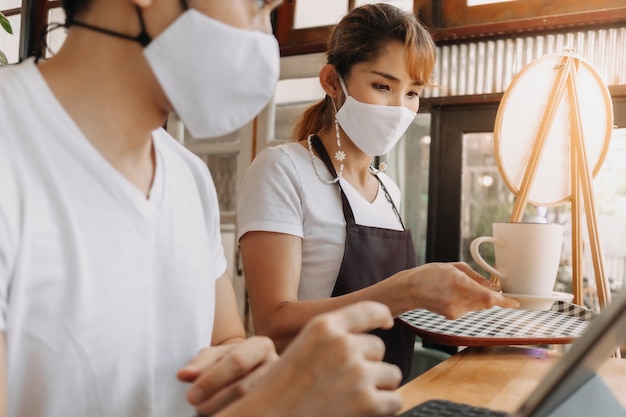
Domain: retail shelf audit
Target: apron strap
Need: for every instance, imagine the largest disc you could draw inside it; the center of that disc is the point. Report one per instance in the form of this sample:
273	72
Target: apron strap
348	214
321	151
388	196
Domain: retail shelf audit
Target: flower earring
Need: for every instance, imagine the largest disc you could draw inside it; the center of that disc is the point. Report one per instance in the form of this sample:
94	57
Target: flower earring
340	155
382	163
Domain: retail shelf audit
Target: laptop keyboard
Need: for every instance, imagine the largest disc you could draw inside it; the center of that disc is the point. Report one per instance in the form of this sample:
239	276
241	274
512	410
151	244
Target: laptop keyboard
445	408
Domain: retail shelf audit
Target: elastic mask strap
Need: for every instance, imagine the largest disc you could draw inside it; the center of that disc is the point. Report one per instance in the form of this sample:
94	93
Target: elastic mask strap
343	86
42	43
143	38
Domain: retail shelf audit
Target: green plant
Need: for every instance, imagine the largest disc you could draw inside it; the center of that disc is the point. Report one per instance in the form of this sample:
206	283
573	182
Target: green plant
6	25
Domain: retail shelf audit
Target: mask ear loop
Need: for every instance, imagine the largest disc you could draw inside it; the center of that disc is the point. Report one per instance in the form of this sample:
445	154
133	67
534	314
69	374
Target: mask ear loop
142	38
42	44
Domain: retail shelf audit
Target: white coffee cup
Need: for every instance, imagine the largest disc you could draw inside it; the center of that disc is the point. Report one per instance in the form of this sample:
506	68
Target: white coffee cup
527	256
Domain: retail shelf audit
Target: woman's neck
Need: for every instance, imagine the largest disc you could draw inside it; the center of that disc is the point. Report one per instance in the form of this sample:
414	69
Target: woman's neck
357	164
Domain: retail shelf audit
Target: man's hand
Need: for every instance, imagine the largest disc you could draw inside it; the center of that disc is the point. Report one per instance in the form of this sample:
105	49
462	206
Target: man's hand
332	369
223	374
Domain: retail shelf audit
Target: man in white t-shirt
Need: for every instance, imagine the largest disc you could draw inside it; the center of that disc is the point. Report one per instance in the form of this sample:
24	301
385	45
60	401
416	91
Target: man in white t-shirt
114	296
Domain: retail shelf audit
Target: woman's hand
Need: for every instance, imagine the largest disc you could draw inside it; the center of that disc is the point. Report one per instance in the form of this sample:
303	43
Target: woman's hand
452	289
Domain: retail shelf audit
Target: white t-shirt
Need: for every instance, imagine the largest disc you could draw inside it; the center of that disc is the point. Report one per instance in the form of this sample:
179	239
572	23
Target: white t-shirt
281	193
104	294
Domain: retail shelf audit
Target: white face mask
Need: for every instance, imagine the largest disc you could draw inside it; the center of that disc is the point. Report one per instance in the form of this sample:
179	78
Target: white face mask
216	76
375	129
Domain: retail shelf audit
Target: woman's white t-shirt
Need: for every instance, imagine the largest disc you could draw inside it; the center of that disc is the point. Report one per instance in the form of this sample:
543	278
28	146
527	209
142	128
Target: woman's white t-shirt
281	193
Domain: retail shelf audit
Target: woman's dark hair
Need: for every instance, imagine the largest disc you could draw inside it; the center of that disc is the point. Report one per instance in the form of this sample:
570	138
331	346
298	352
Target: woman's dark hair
360	37
73	7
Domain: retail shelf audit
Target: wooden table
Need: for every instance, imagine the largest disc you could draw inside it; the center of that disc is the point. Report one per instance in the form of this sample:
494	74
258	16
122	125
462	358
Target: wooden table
499	378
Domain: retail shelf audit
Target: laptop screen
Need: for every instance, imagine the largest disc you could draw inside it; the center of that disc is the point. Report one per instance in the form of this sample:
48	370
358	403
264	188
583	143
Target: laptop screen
580	363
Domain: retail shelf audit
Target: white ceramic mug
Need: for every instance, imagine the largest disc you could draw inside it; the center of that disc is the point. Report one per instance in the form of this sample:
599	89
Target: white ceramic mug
527	256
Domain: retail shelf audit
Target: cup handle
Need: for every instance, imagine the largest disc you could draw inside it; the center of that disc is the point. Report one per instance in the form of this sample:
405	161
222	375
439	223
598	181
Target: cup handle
480	260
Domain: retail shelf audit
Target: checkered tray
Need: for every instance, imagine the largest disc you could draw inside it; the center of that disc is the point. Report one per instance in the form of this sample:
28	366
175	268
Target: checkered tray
502	326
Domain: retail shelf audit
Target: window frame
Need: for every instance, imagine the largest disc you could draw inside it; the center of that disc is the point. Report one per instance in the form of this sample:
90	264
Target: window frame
34	18
312	40
456	21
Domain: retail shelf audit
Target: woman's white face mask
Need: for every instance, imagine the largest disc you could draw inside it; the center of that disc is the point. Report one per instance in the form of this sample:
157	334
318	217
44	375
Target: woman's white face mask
373	128
217	77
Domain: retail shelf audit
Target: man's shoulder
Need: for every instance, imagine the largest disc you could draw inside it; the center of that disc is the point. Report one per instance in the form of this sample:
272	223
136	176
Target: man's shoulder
15	77
171	148
18	94
179	158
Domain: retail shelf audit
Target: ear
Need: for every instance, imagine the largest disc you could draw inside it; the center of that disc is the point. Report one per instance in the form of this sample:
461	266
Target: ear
143	3
330	81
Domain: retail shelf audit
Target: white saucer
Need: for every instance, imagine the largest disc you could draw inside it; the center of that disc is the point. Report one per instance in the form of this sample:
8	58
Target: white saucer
540	302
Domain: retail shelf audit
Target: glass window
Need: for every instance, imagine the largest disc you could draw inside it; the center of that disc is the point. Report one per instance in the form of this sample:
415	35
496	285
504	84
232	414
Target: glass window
408	165
56	37
10	44
10	4
292	98
298	90
486	199
402	4
314	13
223	168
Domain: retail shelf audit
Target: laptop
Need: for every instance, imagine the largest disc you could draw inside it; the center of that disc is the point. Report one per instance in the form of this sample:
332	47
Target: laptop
572	388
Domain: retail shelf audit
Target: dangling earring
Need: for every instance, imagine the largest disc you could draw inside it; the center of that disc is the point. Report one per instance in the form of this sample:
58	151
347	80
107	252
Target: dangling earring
340	155
382	164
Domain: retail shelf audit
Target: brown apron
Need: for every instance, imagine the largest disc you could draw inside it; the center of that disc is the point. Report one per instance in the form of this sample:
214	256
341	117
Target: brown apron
371	255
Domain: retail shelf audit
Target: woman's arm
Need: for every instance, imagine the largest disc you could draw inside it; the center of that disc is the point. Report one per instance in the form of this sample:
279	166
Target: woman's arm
272	265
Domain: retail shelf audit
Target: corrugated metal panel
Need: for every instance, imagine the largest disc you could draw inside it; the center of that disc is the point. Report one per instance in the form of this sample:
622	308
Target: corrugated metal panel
484	67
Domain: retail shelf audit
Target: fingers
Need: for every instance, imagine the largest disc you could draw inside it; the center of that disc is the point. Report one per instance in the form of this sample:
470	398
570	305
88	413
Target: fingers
494	298
458	290
232	365
372	347
389	376
330	369
506	302
388	403
476	277
483	298
204	359
362	317
467	270
233	392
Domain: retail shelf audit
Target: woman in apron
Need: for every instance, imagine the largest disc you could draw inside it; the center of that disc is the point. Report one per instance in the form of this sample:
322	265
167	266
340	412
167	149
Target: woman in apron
318	227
